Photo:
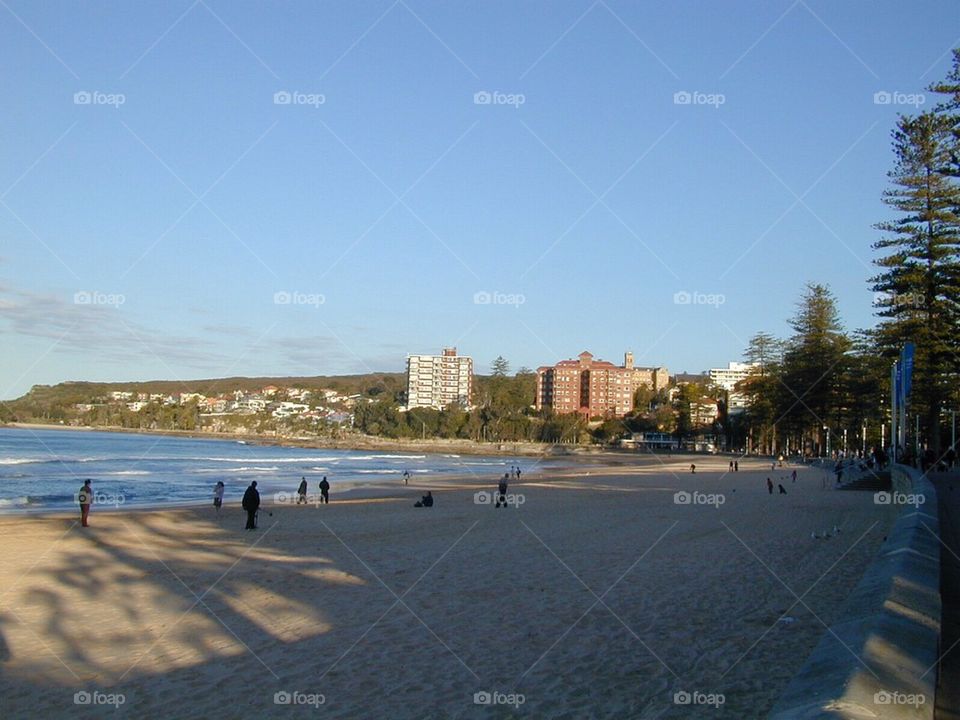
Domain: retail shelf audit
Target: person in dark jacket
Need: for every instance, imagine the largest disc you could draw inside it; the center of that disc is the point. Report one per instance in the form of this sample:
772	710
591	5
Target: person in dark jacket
85	497
502	491
302	491
324	491
251	503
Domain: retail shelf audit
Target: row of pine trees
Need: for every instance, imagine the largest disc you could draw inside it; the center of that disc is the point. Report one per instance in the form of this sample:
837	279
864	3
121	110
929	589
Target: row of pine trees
824	383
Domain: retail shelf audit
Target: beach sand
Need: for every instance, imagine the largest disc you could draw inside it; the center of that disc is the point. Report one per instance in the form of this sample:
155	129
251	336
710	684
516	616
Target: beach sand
597	597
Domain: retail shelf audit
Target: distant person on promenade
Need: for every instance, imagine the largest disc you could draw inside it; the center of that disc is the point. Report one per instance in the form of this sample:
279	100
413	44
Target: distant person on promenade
324	491
425	501
302	491
251	503
730	469
736	466
794	474
85	497
770	486
218	496
502	491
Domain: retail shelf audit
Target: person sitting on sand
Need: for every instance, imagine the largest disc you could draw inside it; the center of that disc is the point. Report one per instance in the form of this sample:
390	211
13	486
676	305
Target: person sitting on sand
782	491
251	503
693	468
85	497
425	501
218	496
302	491
324	491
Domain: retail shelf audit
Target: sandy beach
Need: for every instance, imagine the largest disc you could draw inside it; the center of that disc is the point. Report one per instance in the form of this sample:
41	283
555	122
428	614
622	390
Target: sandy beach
593	596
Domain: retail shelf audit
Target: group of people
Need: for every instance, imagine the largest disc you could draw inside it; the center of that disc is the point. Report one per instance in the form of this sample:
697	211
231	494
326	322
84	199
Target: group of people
251	498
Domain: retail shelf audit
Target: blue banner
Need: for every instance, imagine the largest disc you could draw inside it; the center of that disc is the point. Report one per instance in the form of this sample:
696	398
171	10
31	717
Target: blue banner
906	362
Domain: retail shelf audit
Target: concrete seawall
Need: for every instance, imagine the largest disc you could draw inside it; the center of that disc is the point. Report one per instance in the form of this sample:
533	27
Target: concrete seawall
879	660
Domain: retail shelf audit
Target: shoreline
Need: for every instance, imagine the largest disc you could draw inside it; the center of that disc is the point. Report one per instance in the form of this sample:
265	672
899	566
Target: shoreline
358	442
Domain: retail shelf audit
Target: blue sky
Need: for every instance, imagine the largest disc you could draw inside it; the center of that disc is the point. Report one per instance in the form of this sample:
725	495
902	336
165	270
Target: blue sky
153	225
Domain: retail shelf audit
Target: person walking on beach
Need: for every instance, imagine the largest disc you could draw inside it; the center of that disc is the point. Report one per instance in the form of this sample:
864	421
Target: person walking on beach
85	497
406	477
730	469
770	486
302	491
502	491
324	491
218	495
736	466
693	469
251	503
794	475
518	473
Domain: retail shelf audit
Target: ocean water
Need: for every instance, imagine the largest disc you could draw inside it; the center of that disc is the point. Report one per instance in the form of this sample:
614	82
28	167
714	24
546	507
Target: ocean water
44	469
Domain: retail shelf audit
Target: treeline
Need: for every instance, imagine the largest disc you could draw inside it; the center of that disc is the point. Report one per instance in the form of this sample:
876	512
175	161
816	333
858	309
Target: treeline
823	385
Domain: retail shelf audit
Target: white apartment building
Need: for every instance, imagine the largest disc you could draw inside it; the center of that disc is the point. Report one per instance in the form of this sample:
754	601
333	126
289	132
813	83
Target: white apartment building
439	380
728	377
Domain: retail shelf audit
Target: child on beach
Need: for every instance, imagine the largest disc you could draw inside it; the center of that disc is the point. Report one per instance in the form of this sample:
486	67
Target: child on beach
218	496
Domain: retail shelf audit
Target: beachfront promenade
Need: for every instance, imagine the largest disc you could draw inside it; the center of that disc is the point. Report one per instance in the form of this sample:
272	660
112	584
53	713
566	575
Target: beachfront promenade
881	658
631	592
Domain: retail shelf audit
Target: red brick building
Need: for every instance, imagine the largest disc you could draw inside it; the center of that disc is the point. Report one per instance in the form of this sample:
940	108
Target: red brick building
594	388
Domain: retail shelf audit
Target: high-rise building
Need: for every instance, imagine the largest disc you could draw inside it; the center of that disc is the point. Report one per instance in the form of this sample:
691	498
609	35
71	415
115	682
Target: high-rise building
595	387
728	377
439	380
